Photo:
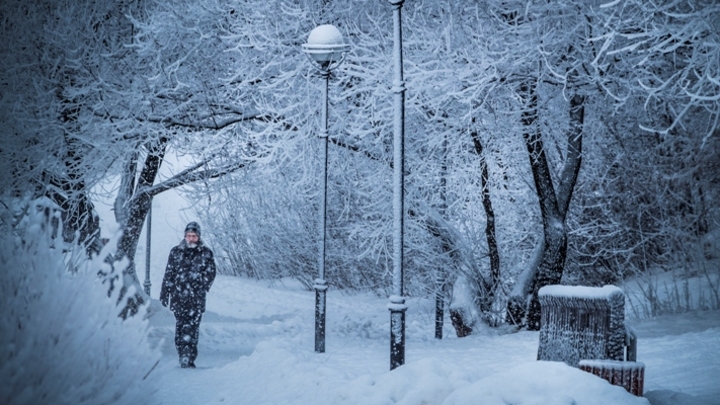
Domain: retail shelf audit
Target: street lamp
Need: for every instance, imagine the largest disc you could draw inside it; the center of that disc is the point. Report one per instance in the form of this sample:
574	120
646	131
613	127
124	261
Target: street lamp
326	47
397	304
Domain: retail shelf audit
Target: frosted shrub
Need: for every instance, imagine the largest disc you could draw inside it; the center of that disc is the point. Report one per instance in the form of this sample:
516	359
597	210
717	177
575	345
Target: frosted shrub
61	340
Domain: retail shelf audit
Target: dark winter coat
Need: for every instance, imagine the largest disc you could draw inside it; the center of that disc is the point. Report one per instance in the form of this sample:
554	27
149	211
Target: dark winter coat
189	274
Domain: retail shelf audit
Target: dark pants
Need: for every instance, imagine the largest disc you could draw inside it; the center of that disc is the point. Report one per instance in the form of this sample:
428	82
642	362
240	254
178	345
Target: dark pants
187	333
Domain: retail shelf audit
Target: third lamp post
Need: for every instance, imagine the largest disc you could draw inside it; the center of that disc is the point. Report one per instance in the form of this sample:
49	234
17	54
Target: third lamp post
325	47
397	304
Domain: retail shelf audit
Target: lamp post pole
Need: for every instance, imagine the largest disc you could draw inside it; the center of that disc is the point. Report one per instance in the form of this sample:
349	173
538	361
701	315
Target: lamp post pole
397	304
326	47
146	284
320	282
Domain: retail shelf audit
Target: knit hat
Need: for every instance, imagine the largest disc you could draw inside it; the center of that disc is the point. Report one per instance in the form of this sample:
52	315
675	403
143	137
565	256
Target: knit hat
193	227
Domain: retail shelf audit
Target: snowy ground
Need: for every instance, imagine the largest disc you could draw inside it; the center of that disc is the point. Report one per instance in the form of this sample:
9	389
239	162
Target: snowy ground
256	347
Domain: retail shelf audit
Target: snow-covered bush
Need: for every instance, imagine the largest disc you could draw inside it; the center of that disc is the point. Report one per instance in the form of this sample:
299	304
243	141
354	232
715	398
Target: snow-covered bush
674	292
61	340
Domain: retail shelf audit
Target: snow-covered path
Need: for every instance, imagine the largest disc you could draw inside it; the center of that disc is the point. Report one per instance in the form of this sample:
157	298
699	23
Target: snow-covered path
256	343
256	347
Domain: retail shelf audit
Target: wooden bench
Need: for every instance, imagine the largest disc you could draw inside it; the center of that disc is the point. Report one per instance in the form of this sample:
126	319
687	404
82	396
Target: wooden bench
587	324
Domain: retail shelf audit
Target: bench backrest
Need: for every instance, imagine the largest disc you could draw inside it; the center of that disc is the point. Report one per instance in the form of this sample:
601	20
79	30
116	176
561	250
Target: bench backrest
578	323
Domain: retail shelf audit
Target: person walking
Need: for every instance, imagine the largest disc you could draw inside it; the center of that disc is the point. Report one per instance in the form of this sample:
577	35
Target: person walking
188	276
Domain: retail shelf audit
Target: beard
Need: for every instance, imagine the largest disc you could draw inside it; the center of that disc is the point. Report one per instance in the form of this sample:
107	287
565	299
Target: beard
192	245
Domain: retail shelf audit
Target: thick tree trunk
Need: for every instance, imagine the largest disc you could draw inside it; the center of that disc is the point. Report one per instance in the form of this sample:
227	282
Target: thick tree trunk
132	205
521	292
555	236
460	323
136	210
550	270
553	206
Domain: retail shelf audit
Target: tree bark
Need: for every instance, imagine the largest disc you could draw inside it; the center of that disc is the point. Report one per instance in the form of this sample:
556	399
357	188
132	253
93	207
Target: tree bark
486	290
134	202
553	205
493	251
81	224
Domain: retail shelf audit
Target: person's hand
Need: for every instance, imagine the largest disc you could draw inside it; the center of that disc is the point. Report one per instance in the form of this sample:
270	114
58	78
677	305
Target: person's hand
164	301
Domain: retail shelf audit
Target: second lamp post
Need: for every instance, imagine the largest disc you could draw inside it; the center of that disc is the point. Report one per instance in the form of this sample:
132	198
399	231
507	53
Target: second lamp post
326	47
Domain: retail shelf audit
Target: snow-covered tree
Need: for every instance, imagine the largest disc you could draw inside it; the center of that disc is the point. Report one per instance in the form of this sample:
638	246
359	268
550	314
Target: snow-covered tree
61	339
515	115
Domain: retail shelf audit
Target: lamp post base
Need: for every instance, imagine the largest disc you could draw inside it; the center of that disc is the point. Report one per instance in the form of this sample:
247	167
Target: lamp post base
397	309
320	291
